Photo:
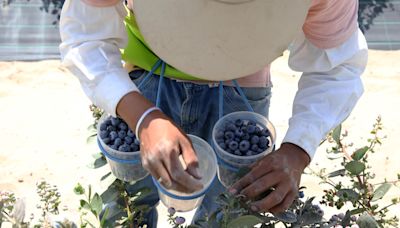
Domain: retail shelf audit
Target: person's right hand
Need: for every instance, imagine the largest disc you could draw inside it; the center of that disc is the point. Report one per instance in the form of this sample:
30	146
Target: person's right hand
161	144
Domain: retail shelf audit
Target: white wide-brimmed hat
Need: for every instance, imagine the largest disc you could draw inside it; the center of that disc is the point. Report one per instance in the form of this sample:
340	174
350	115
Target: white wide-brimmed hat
219	39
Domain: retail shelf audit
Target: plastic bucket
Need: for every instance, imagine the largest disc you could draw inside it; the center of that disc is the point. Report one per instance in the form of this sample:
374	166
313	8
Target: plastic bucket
126	166
207	167
230	164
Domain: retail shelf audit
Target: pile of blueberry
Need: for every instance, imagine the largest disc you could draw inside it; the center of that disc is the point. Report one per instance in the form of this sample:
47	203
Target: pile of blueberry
243	138
116	134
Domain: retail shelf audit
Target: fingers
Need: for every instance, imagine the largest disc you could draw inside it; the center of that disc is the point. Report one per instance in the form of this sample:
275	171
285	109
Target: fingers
274	199
257	171
190	157
179	175
285	204
262	184
158	171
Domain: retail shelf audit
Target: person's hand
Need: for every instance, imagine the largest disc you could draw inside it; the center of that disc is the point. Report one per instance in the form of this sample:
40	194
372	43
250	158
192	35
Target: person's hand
280	170
162	143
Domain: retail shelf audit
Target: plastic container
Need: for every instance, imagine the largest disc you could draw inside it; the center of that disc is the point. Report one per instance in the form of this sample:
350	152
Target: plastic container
126	166
183	202
230	164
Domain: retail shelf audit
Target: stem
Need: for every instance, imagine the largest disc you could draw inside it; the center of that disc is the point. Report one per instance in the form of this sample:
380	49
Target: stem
392	204
387	182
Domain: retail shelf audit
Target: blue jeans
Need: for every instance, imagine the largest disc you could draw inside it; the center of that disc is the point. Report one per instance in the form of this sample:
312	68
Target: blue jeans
194	108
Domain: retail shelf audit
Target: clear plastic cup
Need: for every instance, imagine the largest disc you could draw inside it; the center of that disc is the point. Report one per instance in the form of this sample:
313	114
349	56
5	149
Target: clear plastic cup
230	164
126	166
183	202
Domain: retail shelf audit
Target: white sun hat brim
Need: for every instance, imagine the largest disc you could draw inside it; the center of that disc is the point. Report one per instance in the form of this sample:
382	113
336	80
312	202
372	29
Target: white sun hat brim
219	39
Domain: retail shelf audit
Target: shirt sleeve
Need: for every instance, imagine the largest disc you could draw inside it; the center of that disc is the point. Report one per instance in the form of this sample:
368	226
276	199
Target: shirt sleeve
328	89
91	38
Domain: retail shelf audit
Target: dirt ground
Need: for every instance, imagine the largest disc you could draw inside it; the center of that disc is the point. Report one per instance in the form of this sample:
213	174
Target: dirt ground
44	117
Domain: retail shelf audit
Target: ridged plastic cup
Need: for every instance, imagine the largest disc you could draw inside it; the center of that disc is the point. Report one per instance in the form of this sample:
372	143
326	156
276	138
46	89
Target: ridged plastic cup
183	202
126	166
230	164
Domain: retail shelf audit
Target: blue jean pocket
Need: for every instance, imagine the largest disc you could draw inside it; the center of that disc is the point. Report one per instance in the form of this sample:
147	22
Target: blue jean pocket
148	85
258	97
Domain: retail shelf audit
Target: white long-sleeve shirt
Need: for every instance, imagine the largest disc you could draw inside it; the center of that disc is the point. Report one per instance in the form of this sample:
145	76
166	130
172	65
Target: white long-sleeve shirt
327	92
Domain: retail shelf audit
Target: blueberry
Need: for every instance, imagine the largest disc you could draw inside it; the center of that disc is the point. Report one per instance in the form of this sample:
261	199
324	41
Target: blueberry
134	147
233	145
179	220
115	121
107	140
123	126
244	128
231	127
237	152
130	133
244	145
107	122
111	128
113	135
124	148
260	150
128	140
103	126
239	123
103	134
121	134
251	123
265	132
246	136
257	130
114	147
249	153
171	211
239	133
118	142
219	135
251	129
222	145
263	144
229	135
254	147
301	194
254	139
237	139
136	141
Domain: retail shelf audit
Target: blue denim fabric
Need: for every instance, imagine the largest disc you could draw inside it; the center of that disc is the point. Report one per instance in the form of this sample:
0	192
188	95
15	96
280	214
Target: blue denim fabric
194	108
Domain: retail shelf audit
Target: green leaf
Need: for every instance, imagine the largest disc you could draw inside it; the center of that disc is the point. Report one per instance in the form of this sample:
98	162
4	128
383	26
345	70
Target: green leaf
79	190
380	192
358	211
348	194
336	173
84	204
96	204
107	180
366	221
91	138
286	217
91	127
140	194
346	219
355	167
110	195
104	217
97	155
100	162
358	154
246	221
336	134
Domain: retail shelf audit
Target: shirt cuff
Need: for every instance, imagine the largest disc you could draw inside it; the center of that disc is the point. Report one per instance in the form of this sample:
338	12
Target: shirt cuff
304	136
111	89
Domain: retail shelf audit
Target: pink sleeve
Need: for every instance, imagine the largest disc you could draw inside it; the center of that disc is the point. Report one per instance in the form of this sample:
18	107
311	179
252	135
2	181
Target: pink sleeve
101	3
330	23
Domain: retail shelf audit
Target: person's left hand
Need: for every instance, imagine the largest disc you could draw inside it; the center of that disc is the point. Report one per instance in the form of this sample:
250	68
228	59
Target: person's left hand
280	170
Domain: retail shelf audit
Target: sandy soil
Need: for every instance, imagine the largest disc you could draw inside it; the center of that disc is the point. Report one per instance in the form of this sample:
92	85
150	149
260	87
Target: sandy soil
44	117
